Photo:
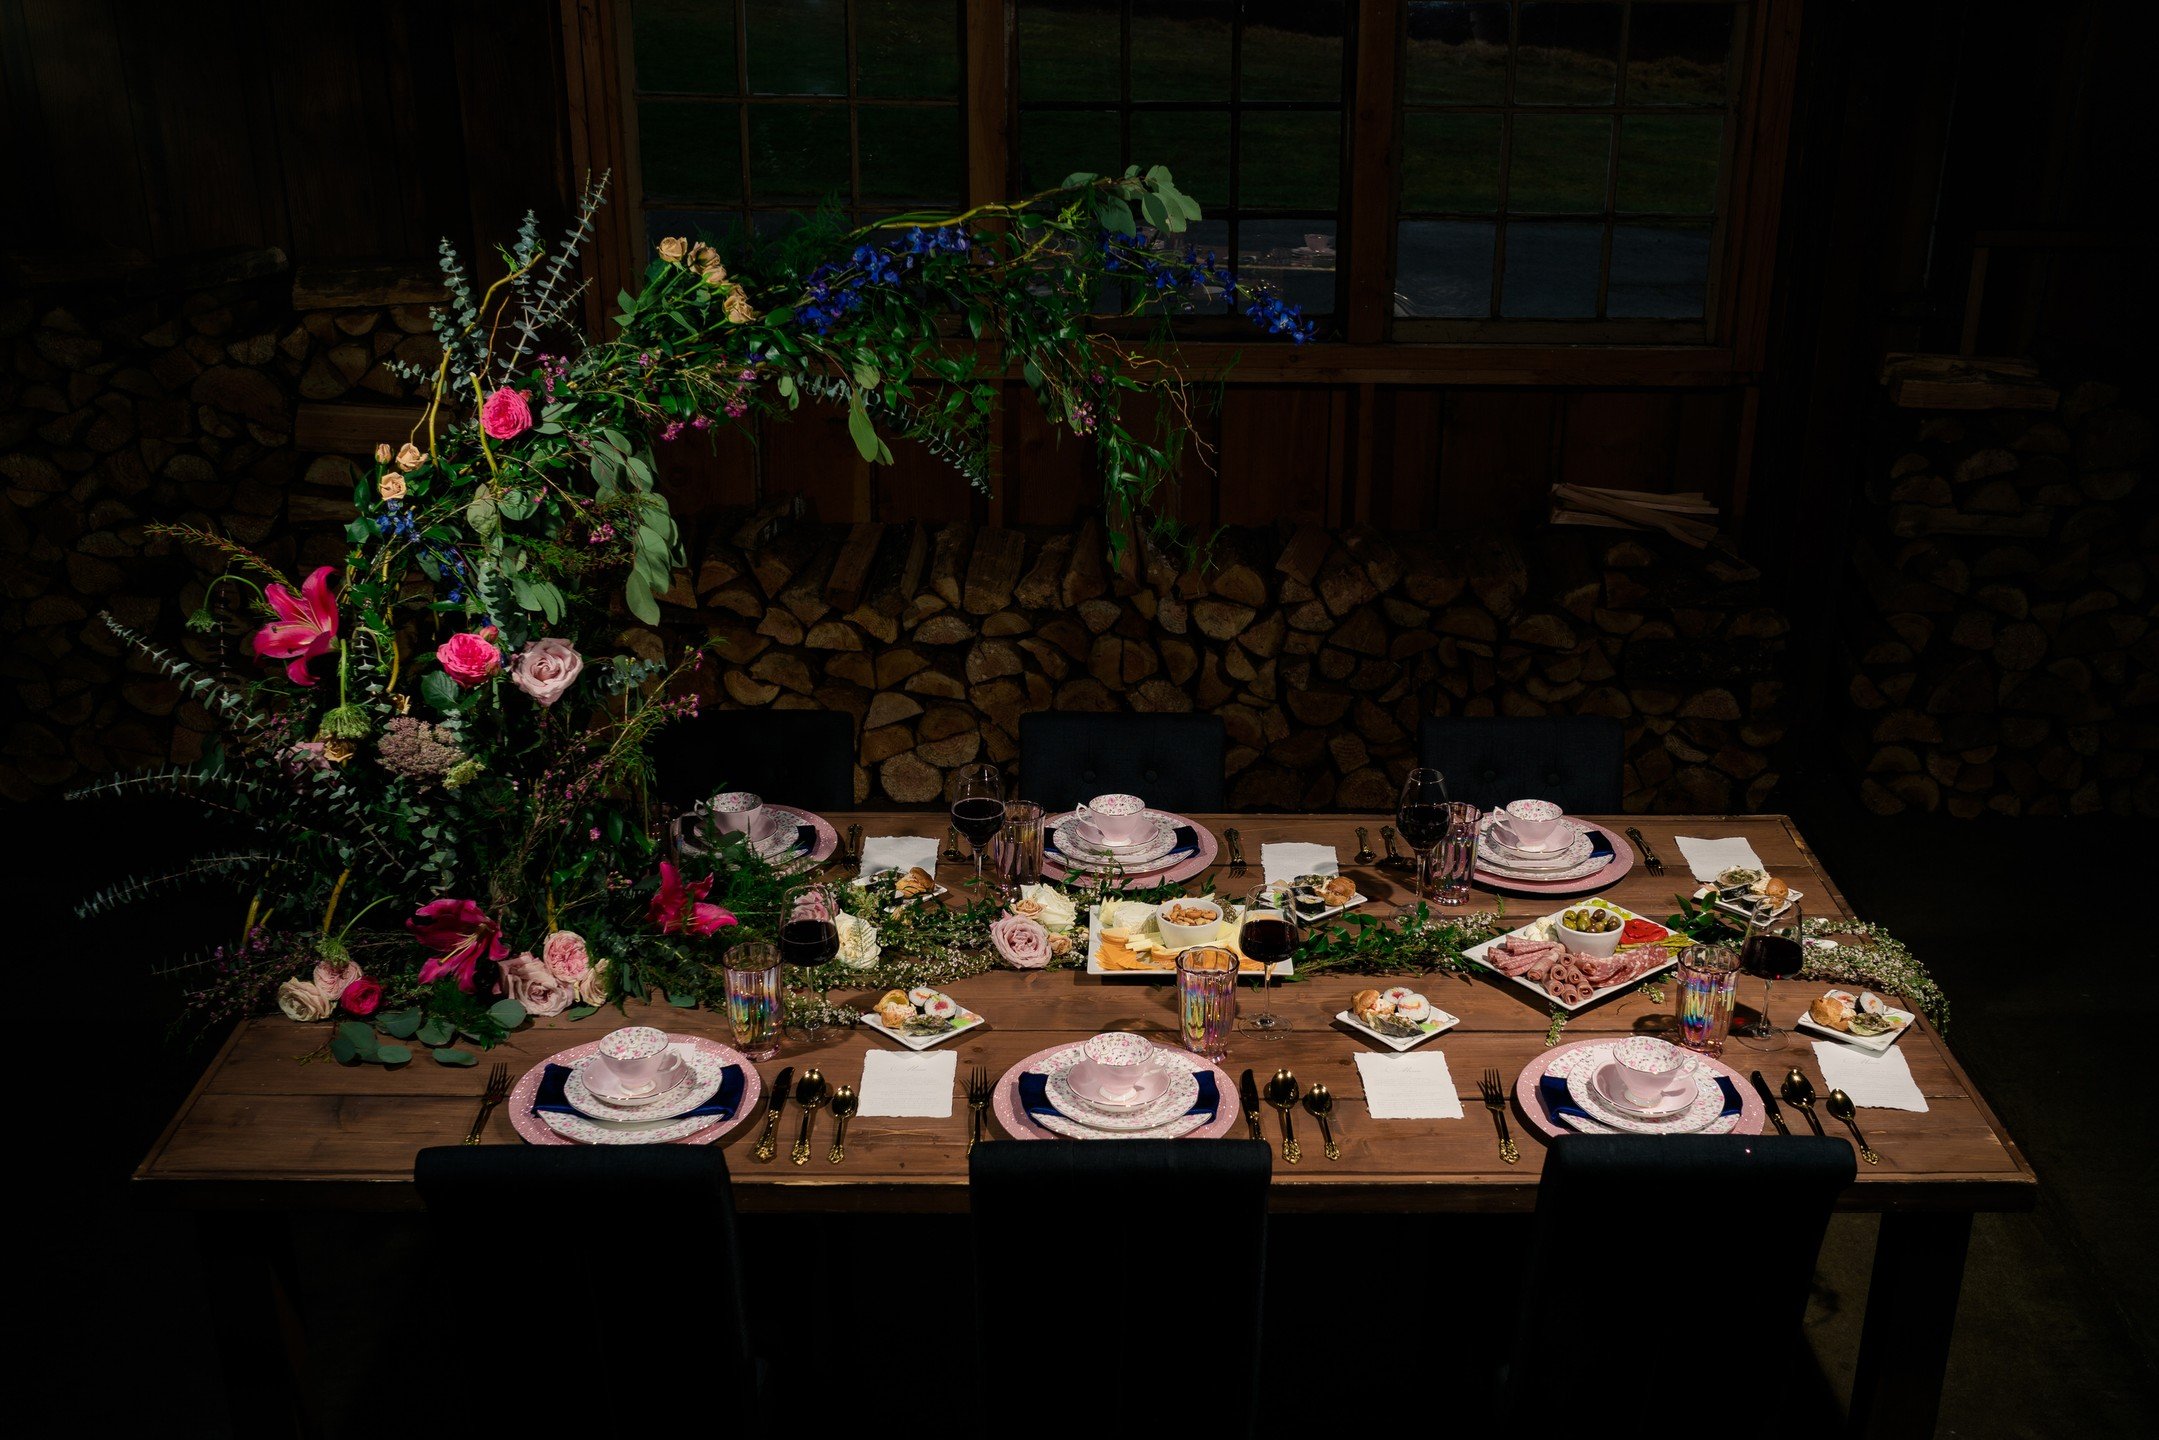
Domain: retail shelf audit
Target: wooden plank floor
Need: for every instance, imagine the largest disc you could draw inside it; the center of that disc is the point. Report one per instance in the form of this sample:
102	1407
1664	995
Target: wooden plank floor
274	1122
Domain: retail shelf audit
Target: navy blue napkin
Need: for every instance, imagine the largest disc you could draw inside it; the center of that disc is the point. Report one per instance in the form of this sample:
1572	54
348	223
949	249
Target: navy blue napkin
553	1094
1560	1106
1183	847
1600	844
1035	1099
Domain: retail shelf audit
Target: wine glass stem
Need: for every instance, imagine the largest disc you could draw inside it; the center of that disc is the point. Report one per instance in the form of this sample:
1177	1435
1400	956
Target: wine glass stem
1768	1026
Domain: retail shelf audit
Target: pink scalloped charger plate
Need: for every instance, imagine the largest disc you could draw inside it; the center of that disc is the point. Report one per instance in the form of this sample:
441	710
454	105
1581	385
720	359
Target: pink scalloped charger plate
1622	862
536	1131
1749	1121
1196	863
1005	1099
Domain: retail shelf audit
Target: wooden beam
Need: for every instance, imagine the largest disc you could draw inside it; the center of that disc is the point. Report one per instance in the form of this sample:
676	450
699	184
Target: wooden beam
1373	84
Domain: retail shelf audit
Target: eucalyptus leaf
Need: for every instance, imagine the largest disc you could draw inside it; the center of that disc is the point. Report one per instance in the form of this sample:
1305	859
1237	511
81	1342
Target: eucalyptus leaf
343	1051
455	1057
399	1023
579	1012
506	1013
638	596
436	1031
392	1054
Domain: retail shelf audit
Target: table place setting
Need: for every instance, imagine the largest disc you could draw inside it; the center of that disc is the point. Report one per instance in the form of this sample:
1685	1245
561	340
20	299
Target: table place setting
635	1086
1534	845
787	838
1636	1085
1116	1085
1117	837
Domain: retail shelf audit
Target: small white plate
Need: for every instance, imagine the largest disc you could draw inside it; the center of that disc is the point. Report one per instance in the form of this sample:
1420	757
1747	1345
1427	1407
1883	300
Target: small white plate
965	1021
933	893
1746	912
1872	1044
1434	1023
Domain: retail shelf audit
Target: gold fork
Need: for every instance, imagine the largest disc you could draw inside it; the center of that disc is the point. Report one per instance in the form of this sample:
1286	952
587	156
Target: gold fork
978	1101
497	1091
1495	1100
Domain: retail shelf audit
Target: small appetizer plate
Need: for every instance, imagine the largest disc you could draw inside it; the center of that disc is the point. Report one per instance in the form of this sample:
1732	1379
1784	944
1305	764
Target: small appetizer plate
1872	1044
966	1020
1432	1024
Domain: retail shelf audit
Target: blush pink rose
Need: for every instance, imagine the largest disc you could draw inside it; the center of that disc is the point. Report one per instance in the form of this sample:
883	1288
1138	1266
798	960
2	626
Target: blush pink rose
332	976
362	997
532	985
470	658
565	956
505	416
1023	943
546	668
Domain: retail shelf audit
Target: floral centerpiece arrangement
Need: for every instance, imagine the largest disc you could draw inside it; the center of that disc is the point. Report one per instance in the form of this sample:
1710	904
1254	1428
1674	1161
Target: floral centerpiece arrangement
436	755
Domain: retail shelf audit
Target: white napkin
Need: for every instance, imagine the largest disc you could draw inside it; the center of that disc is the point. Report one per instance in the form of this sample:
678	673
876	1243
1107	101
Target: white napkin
896	1084
1708	858
1882	1082
1288	859
1408	1087
898	852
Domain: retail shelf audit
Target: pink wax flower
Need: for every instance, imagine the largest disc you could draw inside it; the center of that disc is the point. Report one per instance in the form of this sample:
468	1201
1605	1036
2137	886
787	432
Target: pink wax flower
306	625
505	415
680	908
459	933
470	658
546	668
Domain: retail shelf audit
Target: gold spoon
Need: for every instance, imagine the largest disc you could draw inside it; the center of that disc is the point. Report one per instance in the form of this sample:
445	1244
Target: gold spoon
1319	1104
1799	1090
1282	1095
843	1109
810	1092
1841	1106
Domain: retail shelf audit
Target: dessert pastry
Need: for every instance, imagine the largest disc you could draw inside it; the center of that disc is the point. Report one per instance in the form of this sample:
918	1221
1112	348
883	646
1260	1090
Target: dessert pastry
1338	891
916	881
895	1014
1833	1011
1366	1003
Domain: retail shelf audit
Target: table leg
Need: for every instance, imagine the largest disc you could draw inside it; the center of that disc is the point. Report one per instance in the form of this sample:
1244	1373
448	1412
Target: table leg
261	1345
1911	1311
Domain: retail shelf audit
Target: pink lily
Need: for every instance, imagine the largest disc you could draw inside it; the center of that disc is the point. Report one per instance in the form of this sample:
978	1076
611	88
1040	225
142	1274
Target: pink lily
459	933
680	907
306	625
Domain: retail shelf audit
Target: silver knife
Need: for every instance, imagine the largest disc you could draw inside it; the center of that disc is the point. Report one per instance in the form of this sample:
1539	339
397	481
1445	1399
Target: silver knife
1649	856
768	1143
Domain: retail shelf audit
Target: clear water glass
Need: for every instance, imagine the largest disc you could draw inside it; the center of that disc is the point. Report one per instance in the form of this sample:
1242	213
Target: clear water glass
1708	986
1207	999
1019	849
1455	860
755	1006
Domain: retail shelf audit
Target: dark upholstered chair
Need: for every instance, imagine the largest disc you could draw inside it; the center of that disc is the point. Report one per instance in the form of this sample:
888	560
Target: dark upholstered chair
1055	1230
1572	760
790	757
1722	1229
1174	761
554	1246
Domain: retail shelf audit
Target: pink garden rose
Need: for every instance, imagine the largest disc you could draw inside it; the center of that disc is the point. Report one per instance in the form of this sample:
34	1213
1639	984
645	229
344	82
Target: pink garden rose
303	1000
332	976
1023	943
459	933
505	416
470	658
362	997
679	906
546	668
532	985
565	955
306	625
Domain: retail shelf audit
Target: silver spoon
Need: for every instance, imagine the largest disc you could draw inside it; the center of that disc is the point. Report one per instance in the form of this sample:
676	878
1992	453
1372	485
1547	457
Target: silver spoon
1841	1106
1319	1104
1282	1095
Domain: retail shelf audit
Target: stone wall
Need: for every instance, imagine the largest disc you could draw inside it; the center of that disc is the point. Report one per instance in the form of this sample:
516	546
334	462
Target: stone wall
1999	648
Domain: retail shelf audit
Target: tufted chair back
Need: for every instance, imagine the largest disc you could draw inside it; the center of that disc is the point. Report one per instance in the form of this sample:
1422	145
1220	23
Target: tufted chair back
1174	761
790	757
1572	760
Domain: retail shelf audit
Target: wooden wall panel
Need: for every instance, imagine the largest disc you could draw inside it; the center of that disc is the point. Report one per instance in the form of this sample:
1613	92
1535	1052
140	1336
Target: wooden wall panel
1049	473
1618	439
1497	462
76	117
1276	462
1408	440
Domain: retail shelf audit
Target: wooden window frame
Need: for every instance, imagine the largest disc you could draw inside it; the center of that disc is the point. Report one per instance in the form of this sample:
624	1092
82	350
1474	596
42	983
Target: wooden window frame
1728	348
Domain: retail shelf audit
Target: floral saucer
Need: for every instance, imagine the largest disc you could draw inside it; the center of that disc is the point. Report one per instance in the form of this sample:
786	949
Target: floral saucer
1678	1096
1176	1098
603	1086
1701	1116
702	1074
1158	843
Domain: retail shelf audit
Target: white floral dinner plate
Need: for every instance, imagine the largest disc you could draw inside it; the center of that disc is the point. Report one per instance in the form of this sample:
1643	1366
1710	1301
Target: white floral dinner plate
1159	842
700	1082
1703	1117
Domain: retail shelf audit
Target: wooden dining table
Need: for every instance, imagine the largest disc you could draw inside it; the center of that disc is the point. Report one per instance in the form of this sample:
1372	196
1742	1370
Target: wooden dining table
272	1125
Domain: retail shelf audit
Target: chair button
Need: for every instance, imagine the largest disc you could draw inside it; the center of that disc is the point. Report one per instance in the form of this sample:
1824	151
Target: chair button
1489	775
1150	776
1551	777
1088	776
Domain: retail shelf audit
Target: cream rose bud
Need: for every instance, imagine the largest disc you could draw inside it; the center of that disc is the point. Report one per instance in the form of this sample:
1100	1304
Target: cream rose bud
391	487
303	1000
1051	907
739	310
534	986
546	668
592	989
384	453
673	248
410	457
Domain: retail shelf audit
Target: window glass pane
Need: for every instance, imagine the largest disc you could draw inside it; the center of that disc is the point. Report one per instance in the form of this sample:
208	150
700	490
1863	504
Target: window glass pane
1195	146
1068	50
1057	143
1678	54
1443	269
690	150
1552	270
686	45
1292	50
1559	163
1457	54
797	47
1659	271
1565	55
1450	162
1206	237
1669	163
1292	160
1296	257
907	47
910	153
1180	49
799	152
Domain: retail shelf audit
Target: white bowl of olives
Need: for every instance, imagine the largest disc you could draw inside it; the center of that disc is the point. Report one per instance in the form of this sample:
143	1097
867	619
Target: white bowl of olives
1591	929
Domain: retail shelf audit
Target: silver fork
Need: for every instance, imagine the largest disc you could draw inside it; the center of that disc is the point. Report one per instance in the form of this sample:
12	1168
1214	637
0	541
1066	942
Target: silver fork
497	1091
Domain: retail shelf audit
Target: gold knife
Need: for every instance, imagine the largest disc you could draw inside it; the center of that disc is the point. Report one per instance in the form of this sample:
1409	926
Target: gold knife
768	1143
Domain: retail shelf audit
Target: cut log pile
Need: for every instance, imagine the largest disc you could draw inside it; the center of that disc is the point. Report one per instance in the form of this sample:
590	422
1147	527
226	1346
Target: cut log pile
1319	650
1999	646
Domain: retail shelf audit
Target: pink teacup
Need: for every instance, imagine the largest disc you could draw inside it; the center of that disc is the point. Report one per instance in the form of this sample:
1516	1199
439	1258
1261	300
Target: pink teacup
737	812
1112	820
1646	1068
1121	1061
1533	825
635	1059
1092	1082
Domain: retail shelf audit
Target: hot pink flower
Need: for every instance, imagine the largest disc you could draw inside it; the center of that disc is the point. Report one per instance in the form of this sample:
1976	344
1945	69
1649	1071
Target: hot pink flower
459	933
306	625
362	996
505	416
470	658
680	907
